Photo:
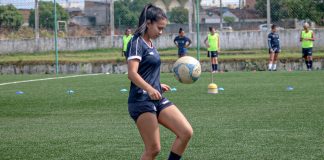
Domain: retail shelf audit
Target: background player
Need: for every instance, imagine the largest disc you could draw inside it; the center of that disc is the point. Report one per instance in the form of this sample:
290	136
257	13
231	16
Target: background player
126	38
274	48
212	43
182	42
146	104
307	39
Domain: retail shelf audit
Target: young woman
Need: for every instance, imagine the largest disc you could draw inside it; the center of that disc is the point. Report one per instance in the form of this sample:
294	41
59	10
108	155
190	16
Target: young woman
307	39
182	42
274	48
126	38
146	104
212	43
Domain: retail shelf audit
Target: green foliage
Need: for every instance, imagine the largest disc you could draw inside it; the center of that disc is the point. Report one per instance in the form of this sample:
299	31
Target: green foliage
178	15
182	2
10	17
46	15
276	9
127	12
229	19
301	9
167	2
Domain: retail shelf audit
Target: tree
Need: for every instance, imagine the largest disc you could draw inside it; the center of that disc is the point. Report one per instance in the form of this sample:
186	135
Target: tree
301	9
178	15
127	12
229	20
276	8
46	15
10	17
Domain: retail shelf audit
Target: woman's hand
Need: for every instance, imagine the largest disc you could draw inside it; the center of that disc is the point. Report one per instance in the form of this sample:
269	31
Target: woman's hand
165	87
154	94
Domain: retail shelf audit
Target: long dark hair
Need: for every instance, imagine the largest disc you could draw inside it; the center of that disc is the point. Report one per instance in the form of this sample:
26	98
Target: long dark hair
211	29
152	13
180	30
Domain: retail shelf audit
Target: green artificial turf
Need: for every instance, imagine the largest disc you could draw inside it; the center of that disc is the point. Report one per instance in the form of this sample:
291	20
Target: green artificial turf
254	118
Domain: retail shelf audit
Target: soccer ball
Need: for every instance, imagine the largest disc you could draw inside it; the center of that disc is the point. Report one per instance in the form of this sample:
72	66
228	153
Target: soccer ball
187	69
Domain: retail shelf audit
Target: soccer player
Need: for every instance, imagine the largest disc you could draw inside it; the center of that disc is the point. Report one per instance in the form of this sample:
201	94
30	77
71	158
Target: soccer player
126	38
307	39
146	103
182	42
274	48
212	43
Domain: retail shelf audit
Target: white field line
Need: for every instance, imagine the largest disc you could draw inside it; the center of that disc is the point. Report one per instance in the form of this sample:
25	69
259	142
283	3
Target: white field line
45	79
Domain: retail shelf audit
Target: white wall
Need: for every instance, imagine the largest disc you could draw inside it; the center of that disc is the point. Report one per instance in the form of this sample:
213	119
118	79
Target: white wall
229	40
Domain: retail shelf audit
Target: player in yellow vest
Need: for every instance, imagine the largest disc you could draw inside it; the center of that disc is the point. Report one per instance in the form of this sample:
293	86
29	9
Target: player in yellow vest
212	44
307	39
126	38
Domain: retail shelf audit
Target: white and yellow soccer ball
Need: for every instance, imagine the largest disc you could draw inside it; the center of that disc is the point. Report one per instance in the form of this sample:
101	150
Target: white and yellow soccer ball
187	69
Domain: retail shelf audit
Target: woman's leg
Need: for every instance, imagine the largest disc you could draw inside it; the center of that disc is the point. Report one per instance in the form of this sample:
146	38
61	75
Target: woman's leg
216	64
275	58
212	64
271	57
148	127
310	61
173	119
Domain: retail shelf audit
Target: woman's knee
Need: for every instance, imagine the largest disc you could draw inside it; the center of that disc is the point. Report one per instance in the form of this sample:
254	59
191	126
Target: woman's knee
186	134
153	150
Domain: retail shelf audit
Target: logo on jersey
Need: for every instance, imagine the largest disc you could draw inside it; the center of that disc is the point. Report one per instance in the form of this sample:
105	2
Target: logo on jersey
151	53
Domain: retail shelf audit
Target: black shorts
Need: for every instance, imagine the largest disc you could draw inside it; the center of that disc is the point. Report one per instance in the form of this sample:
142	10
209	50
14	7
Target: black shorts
138	108
307	52
212	54
275	50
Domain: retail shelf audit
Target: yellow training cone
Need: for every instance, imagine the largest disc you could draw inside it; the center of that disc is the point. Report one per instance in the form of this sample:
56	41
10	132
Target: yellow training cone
212	88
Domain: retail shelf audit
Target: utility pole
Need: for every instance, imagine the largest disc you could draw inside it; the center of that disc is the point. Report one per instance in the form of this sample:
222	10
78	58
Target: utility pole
221	15
36	20
190	16
112	22
198	29
268	15
55	40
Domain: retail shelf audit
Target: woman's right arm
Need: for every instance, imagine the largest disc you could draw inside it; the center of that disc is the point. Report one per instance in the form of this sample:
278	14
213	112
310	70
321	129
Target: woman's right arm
205	41
139	81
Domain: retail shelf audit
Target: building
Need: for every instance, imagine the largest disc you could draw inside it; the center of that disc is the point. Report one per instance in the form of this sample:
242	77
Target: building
74	12
72	4
98	11
249	4
213	14
247	15
167	6
25	13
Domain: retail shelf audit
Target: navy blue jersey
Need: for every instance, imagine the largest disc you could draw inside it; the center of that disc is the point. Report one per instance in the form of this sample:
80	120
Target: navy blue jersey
148	69
181	41
273	41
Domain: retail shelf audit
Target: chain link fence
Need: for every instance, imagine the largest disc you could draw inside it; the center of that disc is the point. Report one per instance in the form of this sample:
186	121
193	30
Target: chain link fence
291	14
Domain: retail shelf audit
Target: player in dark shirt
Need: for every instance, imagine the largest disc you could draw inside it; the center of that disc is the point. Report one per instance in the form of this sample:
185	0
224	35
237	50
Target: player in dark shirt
274	48
146	103
182	42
